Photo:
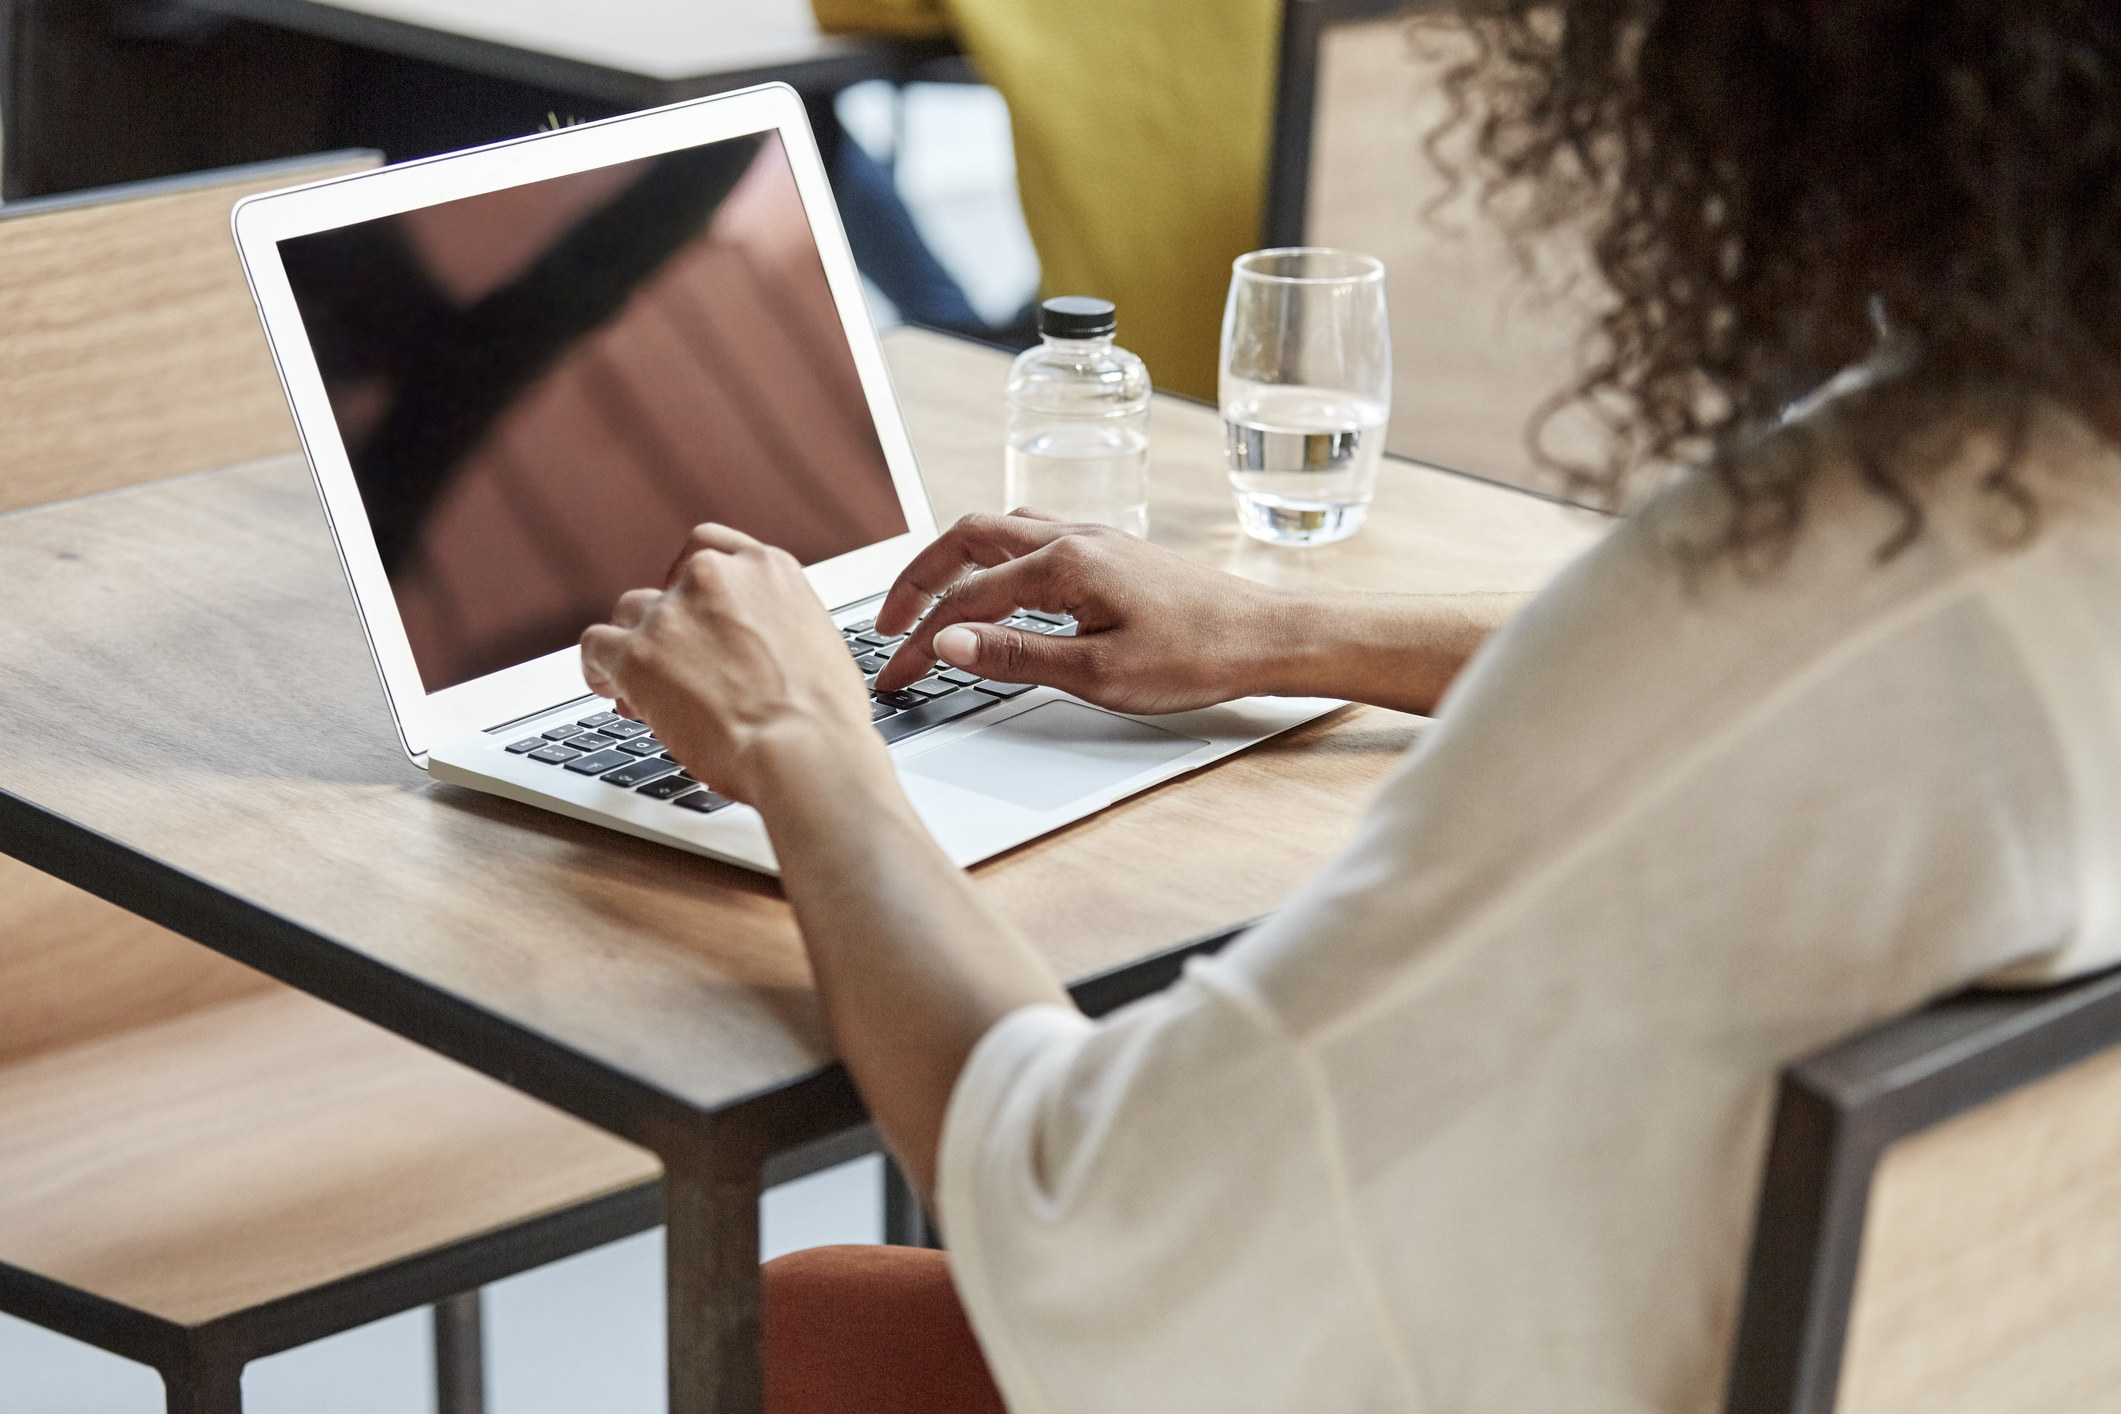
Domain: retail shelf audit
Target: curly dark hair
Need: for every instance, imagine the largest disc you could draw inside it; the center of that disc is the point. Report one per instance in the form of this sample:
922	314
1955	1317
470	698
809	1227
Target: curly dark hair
1770	186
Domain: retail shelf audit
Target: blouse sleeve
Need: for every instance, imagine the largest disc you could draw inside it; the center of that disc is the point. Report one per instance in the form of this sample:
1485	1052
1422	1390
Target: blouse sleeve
1154	1197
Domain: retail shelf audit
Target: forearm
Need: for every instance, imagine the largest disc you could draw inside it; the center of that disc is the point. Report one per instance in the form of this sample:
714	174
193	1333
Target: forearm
1390	650
911	965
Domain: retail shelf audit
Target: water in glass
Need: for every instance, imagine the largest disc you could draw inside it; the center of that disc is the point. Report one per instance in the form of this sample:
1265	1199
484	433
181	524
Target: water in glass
1305	388
1303	461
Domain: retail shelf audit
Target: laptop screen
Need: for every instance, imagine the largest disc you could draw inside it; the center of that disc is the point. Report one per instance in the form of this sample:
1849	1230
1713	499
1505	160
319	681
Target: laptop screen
543	389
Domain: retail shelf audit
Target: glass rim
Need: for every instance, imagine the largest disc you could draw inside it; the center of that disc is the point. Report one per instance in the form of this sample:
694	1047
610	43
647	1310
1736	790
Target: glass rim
1372	267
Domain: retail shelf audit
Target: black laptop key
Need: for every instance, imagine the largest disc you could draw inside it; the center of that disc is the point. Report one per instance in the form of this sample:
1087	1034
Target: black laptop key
668	786
878	640
623	727
641	746
932	688
900	700
596	763
592	741
598	720
1005	689
555	755
931	714
704	801
638	772
880	710
870	664
528	743
958	677
562	733
859	626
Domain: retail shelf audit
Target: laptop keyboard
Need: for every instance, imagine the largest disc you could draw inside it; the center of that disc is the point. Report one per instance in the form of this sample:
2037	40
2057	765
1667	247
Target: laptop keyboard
624	753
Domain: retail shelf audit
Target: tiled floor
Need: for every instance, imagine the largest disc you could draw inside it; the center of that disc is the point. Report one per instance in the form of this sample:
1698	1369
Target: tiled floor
586	1334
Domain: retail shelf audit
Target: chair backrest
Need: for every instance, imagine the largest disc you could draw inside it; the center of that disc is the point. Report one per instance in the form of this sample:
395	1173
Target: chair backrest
1939	1223
129	347
129	350
1475	349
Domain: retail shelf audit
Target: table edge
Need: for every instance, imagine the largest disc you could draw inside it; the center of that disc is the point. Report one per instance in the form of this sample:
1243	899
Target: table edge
752	1127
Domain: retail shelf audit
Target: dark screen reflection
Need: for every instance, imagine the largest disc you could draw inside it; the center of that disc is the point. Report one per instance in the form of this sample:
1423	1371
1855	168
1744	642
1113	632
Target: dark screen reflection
543	389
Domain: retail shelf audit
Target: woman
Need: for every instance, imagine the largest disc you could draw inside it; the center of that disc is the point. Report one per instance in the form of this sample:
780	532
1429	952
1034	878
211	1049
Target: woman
1830	727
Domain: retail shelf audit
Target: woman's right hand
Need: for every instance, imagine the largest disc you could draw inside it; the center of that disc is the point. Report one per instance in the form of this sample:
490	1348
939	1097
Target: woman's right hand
1155	632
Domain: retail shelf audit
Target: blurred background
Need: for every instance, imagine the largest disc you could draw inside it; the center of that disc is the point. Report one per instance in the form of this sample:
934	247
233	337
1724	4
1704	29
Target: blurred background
983	152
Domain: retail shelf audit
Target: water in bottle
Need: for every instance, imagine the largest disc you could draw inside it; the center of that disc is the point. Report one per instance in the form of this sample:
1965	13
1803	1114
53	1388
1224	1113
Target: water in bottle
1078	435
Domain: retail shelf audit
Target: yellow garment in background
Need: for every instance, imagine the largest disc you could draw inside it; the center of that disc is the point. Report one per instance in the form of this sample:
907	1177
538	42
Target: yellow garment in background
1142	131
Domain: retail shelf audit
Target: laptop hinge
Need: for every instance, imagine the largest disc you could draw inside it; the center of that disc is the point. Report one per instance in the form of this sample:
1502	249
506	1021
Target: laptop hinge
542	711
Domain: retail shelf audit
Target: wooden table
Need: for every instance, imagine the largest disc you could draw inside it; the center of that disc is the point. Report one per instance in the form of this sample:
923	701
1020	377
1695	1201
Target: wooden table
200	738
636	54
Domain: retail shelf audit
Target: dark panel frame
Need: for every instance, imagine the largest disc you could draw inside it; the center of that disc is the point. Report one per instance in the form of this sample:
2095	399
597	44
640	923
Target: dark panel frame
118	99
97	92
1303	23
1835	1115
1303	27
851	60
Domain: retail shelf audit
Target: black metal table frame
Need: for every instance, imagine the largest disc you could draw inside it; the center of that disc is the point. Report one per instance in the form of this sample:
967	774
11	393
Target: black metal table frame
716	1164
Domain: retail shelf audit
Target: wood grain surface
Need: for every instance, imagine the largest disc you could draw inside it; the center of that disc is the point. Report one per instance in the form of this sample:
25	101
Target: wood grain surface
129	346
266	1146
73	968
205	699
1986	1284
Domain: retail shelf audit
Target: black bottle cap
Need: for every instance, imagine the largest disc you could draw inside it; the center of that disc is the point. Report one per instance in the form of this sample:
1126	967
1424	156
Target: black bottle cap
1077	317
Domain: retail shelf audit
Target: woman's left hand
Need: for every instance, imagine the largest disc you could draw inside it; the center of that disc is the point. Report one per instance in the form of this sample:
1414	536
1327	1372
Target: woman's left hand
737	667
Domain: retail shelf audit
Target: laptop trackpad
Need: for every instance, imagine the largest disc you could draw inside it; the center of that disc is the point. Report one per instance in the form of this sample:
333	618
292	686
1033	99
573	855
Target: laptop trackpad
1051	756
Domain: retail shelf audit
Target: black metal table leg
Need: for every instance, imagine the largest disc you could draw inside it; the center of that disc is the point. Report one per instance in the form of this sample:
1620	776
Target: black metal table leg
460	1354
711	1281
905	1220
203	1382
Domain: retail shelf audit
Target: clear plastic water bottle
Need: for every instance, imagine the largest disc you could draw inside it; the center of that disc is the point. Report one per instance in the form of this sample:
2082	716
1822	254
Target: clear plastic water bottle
1078	444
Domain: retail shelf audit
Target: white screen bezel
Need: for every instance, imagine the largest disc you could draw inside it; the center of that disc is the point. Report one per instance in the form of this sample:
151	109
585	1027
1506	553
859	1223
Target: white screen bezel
262	222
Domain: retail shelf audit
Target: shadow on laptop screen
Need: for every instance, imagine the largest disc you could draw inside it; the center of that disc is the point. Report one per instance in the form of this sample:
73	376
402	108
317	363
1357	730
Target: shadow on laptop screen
542	390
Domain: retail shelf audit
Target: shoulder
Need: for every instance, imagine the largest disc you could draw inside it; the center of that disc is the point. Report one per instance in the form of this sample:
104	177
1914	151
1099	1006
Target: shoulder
1638	723
1647	621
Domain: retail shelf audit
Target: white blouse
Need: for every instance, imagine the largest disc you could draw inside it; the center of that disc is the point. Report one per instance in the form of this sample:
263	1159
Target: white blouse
1475	1122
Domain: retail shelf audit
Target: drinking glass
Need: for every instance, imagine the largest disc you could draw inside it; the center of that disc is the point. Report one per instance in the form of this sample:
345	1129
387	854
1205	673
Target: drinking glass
1305	387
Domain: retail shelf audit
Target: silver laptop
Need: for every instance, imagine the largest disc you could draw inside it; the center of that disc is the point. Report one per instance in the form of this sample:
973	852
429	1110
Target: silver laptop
523	373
